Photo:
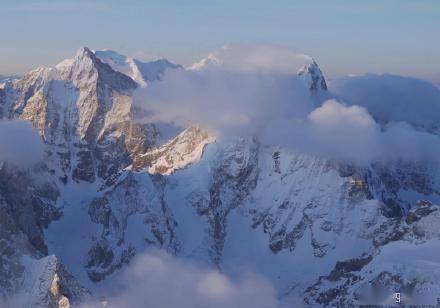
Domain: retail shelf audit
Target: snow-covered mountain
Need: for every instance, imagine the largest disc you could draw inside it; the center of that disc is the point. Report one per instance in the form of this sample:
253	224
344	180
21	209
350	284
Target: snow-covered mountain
141	72
322	231
4	79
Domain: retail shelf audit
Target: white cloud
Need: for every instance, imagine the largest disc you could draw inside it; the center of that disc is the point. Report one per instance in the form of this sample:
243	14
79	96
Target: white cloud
350	134
235	95
254	90
333	114
157	279
20	143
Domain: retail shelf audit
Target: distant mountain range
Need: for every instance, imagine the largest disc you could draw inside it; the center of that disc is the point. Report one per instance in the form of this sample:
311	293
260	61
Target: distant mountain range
321	230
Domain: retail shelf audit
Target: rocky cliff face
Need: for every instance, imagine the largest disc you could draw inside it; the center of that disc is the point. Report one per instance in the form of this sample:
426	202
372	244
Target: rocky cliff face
314	227
28	277
82	109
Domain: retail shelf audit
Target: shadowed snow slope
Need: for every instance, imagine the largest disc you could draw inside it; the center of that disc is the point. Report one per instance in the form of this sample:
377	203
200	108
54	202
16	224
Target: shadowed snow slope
141	72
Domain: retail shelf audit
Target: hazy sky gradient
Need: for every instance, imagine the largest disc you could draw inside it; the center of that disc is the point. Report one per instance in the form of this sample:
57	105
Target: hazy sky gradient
399	36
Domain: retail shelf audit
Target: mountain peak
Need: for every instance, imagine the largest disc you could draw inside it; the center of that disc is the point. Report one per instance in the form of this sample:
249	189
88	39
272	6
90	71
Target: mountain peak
84	52
84	58
313	76
85	68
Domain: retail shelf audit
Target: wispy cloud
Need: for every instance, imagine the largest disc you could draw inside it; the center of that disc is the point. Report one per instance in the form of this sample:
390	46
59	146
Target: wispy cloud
156	279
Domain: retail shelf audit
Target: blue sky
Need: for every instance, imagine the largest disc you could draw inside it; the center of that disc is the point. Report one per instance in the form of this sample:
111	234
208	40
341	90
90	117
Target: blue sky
399	36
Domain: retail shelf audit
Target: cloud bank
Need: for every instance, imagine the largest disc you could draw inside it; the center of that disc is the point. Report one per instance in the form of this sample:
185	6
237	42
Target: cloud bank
350	134
157	279
224	101
245	89
20	143
236	90
391	98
